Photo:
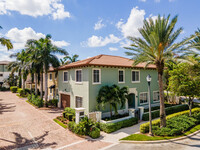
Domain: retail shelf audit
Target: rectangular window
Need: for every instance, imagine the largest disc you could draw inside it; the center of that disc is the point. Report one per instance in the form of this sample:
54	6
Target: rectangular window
78	75
50	90
135	76
156	96
79	102
121	76
50	76
96	76
143	98
65	76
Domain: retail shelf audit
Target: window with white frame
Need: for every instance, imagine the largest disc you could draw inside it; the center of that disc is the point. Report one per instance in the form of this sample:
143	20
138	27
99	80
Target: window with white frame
50	90
50	76
135	76
121	76
65	76
156	96
79	102
143	98
78	75
96	75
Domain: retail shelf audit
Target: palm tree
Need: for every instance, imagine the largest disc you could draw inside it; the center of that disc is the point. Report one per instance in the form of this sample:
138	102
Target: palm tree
68	59
157	46
21	65
113	96
6	42
45	55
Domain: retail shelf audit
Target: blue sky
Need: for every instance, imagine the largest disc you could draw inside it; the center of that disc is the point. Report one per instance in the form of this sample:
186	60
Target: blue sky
88	27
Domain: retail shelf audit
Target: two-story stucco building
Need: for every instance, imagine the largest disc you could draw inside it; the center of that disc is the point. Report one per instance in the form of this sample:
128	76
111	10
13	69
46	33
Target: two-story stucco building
80	82
4	73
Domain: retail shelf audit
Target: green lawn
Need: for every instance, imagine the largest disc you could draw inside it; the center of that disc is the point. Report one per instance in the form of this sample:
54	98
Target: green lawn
143	137
60	123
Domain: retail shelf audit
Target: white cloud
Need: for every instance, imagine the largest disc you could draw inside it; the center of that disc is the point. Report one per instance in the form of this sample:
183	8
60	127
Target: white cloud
98	41
34	8
113	49
99	25
135	21
61	43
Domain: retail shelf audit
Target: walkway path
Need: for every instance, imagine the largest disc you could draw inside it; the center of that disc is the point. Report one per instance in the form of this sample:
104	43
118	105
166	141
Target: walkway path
24	127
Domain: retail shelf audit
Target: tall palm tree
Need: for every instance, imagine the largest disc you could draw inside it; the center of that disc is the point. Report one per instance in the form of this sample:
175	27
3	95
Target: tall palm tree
45	56
157	46
21	65
6	42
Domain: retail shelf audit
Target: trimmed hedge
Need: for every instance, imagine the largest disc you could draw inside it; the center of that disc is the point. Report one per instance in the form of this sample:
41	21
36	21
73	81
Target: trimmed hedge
13	89
53	102
111	127
69	113
158	107
169	110
144	128
35	100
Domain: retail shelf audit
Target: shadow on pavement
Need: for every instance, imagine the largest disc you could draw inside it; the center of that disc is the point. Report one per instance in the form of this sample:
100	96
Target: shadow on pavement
6	107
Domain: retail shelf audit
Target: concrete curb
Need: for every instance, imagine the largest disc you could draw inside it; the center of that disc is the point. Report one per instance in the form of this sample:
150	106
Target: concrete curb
160	141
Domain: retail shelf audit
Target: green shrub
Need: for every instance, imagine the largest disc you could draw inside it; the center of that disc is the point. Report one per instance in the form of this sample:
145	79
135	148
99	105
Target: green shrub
144	128
94	132
53	102
85	127
69	113
13	89
4	88
169	110
35	100
111	127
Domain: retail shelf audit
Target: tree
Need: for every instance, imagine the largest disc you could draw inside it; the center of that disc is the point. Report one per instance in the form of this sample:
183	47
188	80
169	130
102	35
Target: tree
157	46
6	42
68	59
113	96
21	66
11	80
45	56
185	81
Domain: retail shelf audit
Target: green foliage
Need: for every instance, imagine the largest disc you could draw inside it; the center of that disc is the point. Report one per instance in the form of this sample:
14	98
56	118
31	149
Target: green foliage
69	113
111	127
53	102
13	89
35	100
144	128
11	80
4	89
85	127
158	107
168	110
112	95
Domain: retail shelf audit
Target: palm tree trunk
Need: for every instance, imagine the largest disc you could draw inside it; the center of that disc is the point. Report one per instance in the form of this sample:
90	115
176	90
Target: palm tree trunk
161	94
110	111
23	83
46	88
35	76
41	85
190	106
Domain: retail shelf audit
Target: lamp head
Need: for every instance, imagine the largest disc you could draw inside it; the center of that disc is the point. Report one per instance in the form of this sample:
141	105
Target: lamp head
148	78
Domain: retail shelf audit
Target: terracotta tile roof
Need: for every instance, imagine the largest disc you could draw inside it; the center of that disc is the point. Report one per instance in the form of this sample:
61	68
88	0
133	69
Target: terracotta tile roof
105	60
4	62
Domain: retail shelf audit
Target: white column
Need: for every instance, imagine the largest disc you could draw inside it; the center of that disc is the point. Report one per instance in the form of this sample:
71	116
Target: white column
141	112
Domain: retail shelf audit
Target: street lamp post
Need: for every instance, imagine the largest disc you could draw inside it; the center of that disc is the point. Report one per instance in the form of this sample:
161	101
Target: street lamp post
149	99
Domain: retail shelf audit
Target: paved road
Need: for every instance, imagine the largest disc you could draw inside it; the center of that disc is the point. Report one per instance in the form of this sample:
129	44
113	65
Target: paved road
24	127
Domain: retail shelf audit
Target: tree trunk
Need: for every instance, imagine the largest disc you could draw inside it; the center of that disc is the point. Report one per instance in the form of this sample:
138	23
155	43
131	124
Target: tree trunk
190	106
161	95
110	111
41	85
23	83
35	77
46	88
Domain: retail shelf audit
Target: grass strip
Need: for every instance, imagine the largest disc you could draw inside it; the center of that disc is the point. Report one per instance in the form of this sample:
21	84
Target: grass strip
60	123
144	137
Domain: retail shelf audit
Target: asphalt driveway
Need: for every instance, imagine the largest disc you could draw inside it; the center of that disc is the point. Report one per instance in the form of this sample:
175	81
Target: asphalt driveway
24	127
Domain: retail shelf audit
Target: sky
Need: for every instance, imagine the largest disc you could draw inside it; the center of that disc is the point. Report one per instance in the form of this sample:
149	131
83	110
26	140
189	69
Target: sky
88	27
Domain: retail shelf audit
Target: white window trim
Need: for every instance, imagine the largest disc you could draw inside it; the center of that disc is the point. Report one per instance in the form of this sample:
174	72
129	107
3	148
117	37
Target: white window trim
81	76
132	77
147	98
93	76
51	76
153	99
123	75
67	77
